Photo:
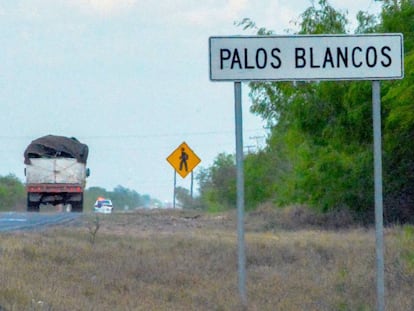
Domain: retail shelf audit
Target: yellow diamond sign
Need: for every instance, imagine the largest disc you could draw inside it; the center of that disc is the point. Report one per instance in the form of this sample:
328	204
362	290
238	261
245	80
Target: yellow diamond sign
183	160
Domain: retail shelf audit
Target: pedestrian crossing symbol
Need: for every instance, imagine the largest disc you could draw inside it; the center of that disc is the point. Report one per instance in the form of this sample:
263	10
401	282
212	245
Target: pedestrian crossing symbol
183	160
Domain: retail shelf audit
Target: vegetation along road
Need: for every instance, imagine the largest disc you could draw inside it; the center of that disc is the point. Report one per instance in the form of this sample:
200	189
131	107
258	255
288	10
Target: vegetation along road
187	260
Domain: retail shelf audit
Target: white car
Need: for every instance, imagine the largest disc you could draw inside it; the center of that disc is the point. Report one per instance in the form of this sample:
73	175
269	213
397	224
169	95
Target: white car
103	206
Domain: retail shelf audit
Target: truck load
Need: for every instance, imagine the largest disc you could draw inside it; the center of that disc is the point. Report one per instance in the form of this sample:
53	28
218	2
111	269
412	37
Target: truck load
55	170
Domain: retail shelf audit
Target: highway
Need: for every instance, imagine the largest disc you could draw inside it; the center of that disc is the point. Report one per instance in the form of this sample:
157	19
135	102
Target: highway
11	221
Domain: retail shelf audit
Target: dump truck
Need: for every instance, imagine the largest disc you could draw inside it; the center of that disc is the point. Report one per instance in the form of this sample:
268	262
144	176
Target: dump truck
55	170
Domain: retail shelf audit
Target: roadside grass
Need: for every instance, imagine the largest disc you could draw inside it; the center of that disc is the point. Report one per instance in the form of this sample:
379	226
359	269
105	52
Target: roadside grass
129	266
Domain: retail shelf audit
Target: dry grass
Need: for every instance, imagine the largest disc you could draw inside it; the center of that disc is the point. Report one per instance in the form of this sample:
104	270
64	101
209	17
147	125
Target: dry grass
186	261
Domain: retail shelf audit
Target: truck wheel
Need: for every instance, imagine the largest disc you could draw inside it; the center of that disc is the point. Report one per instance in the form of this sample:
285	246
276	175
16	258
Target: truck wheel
32	206
77	207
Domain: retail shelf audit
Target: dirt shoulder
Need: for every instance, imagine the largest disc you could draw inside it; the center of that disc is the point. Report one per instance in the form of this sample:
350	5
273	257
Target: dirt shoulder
175	220
159	221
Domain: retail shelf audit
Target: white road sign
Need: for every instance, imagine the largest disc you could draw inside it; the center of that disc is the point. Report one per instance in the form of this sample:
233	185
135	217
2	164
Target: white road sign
307	57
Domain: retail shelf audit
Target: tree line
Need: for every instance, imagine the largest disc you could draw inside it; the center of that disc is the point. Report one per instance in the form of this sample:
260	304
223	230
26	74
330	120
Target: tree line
319	150
122	198
13	196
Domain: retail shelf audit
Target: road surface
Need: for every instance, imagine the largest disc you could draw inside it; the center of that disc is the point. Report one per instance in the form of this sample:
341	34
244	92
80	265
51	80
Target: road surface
12	221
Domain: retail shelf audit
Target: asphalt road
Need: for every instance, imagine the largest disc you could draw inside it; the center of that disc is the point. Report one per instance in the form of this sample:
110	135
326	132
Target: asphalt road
11	221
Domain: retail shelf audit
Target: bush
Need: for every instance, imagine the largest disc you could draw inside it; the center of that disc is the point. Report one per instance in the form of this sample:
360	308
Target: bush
12	193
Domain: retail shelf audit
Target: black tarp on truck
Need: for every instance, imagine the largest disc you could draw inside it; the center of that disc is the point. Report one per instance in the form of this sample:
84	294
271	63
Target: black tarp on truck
52	146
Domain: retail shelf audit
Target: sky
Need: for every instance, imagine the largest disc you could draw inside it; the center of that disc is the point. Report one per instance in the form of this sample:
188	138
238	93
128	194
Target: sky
129	78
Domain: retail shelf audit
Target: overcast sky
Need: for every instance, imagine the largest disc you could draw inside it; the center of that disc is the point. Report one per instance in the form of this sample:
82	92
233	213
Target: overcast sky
129	78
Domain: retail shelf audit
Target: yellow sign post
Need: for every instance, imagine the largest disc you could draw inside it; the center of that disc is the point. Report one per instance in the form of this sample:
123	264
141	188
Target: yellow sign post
183	160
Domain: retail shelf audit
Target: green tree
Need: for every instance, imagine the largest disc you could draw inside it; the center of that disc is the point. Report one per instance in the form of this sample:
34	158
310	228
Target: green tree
263	171
309	124
217	184
398	107
121	197
398	16
399	147
319	151
187	201
12	193
323	131
322	19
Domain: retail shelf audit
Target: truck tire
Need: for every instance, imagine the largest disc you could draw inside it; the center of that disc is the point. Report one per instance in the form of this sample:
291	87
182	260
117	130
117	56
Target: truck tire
77	207
32	206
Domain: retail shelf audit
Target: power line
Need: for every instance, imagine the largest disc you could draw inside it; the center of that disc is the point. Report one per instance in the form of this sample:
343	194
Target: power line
133	136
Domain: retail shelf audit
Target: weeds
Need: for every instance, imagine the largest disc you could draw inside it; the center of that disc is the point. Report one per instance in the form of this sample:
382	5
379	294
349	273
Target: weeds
93	227
169	262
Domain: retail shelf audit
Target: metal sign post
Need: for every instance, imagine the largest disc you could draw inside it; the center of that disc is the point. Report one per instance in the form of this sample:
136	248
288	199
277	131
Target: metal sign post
175	187
192	184
379	223
240	192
